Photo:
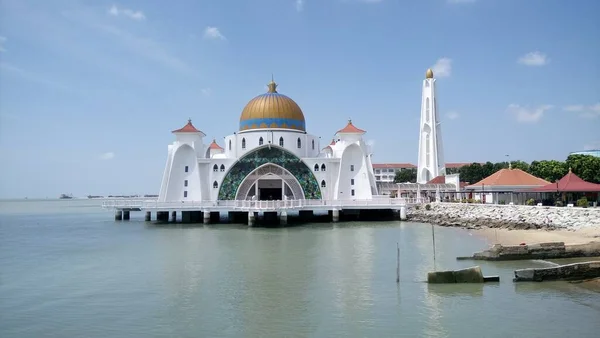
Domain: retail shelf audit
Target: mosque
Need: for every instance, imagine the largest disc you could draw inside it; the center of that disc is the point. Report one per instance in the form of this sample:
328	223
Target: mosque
271	157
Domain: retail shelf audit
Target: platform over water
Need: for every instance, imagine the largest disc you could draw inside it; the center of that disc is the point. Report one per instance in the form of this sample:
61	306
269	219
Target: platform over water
243	205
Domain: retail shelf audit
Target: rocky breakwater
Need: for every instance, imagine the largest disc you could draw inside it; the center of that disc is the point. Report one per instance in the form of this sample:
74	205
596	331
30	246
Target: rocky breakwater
473	216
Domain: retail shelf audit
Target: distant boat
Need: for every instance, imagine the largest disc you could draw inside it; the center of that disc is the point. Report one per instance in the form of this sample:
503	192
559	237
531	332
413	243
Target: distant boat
94	196
65	196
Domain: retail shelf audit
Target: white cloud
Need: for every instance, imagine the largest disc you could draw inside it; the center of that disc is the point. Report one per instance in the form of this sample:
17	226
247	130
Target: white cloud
206	91
534	59
299	5
213	33
591	112
2	41
442	68
452	115
460	1
526	114
107	156
134	15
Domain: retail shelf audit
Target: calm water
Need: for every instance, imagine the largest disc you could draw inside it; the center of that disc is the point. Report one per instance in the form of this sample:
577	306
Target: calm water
68	270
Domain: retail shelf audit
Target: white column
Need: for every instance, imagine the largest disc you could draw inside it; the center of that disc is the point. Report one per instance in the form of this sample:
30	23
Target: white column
431	155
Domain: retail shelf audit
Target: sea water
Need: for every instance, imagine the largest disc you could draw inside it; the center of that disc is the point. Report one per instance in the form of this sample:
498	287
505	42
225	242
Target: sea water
67	269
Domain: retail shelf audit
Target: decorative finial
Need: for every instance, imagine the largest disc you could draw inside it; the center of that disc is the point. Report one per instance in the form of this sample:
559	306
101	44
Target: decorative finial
429	74
189	120
349	121
569	169
272	86
509	165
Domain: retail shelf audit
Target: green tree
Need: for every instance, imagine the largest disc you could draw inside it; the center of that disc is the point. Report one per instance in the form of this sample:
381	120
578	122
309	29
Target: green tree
520	165
550	171
406	175
452	171
472	173
585	166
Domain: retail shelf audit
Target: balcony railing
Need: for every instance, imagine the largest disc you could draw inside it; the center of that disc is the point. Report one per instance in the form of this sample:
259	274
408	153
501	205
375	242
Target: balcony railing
259	205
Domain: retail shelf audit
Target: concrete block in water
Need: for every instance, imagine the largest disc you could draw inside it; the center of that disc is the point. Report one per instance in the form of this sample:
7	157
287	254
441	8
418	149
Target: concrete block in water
468	275
574	271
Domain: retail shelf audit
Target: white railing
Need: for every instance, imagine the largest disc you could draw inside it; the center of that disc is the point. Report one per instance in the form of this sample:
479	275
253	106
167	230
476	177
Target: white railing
259	205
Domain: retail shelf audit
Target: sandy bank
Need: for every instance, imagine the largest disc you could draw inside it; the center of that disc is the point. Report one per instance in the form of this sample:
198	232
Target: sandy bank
516	237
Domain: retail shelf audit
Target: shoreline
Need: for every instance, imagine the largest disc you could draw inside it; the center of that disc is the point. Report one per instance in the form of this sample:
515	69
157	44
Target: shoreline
513	225
534	236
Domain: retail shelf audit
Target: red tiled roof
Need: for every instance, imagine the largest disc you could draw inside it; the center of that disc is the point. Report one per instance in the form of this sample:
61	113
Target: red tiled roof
458	165
438	180
511	177
570	183
215	146
393	165
188	128
350	129
330	144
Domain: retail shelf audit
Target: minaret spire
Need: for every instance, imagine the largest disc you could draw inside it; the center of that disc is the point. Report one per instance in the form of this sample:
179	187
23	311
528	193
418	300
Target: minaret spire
272	86
431	151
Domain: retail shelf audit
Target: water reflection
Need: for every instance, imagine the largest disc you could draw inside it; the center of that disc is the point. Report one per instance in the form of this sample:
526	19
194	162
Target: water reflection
470	290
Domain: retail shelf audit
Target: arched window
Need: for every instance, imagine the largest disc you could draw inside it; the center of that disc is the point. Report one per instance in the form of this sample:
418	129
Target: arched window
215	185
215	168
323	184
260	141
316	167
313	144
222	167
281	141
299	143
323	167
243	143
229	144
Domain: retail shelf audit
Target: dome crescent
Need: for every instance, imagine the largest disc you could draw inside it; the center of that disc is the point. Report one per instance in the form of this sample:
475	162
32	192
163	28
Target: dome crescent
272	110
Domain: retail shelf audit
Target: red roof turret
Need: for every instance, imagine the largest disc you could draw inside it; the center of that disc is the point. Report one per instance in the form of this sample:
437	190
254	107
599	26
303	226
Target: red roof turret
188	128
215	146
350	129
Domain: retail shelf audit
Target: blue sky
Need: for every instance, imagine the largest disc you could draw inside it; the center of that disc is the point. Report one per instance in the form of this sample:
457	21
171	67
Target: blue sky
90	90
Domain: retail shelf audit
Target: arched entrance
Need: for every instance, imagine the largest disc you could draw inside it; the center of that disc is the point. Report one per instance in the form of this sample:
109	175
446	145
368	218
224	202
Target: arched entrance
269	154
269	182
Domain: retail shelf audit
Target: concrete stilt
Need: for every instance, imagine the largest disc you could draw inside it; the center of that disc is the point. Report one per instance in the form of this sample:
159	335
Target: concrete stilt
173	216
118	215
403	213
206	217
283	218
186	216
335	215
126	215
251	219
162	216
148	217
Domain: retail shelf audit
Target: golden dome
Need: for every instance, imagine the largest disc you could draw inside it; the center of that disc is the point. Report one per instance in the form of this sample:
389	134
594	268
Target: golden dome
272	110
429	74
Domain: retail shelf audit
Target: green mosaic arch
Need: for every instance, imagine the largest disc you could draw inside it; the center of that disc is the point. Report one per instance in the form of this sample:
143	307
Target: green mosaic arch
269	154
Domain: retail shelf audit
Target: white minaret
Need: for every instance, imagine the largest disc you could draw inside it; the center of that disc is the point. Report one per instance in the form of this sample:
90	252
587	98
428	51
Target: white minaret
431	152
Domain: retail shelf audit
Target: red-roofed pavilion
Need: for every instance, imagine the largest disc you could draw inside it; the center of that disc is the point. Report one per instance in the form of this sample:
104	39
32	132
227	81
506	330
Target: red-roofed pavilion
569	183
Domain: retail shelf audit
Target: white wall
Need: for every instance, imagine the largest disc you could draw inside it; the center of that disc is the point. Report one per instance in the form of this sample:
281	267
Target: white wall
354	156
183	156
290	142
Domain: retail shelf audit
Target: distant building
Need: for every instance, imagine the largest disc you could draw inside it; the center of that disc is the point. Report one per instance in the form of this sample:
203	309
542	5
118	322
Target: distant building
595	152
385	172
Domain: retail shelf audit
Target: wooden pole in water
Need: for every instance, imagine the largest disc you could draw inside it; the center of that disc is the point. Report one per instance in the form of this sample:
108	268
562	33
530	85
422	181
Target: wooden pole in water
433	238
397	263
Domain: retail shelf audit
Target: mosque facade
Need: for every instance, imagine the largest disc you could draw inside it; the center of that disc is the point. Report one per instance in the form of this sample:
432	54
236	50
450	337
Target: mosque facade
271	157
